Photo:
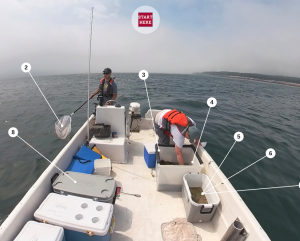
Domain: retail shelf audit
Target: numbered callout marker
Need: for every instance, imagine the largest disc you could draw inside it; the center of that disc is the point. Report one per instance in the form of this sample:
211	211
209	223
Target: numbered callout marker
270	153
26	67
143	74
13	132
211	102
238	136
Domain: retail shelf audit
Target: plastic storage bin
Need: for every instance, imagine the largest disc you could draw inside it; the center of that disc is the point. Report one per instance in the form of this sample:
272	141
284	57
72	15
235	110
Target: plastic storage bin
98	188
82	219
169	177
40	231
102	167
150	155
196	212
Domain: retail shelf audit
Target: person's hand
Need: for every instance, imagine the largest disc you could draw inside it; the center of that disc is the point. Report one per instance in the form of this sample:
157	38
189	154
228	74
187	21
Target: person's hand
196	141
107	103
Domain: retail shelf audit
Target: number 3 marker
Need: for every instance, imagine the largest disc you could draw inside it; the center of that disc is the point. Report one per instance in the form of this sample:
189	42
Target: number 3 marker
143	74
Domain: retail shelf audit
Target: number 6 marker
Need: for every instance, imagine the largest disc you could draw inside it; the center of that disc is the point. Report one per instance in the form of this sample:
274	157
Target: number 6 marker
270	153
238	136
211	102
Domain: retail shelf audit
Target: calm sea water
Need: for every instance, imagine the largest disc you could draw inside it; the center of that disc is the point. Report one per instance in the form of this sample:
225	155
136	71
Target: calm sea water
267	114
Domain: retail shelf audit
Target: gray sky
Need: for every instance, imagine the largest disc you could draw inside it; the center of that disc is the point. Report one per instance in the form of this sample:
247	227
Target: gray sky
261	36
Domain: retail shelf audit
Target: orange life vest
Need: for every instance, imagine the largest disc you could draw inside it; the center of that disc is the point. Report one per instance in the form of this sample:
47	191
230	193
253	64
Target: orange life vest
177	118
101	87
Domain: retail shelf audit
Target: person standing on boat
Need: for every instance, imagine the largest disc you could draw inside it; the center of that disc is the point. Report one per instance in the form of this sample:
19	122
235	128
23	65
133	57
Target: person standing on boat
107	88
175	124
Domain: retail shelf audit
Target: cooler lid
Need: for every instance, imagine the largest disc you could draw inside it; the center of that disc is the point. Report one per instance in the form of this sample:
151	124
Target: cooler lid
150	147
94	186
76	213
40	231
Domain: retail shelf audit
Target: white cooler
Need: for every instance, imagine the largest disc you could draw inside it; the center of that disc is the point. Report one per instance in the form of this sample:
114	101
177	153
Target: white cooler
40	231
82	219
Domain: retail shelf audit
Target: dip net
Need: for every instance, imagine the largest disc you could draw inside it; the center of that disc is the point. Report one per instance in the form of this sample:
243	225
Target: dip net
179	230
63	126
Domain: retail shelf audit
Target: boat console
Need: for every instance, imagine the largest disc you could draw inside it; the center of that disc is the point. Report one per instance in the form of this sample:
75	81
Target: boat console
114	147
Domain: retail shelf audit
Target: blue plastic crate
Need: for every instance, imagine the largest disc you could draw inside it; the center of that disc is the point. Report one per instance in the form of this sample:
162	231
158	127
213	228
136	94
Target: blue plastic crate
77	236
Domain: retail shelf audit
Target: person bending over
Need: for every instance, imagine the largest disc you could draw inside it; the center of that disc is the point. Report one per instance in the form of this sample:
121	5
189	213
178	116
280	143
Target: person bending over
175	124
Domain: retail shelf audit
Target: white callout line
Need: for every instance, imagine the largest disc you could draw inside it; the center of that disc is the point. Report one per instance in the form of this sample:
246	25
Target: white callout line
219	166
264	188
238	172
45	98
151	115
47	159
201	134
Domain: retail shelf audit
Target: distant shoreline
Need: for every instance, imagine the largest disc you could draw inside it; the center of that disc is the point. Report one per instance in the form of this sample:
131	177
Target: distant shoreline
264	80
284	80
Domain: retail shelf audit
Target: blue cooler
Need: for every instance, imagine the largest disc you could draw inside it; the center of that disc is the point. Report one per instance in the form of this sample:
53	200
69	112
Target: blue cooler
83	161
41	231
150	155
82	219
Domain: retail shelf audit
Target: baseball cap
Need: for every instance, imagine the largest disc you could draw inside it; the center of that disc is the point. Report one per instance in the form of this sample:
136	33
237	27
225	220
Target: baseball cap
193	130
107	70
194	133
190	123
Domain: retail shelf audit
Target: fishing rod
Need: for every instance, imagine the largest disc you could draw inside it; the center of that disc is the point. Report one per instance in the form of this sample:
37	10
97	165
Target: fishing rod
63	125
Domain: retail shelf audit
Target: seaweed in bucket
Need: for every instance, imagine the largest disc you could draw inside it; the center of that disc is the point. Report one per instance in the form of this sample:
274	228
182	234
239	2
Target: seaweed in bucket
196	195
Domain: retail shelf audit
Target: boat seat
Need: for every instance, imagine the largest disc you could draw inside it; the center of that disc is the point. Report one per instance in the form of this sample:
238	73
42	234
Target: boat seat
116	149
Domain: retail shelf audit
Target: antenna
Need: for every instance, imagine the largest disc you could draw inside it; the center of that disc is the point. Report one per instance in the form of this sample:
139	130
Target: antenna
88	109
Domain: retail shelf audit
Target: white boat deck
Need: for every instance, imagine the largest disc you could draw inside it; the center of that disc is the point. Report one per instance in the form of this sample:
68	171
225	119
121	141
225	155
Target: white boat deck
141	218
